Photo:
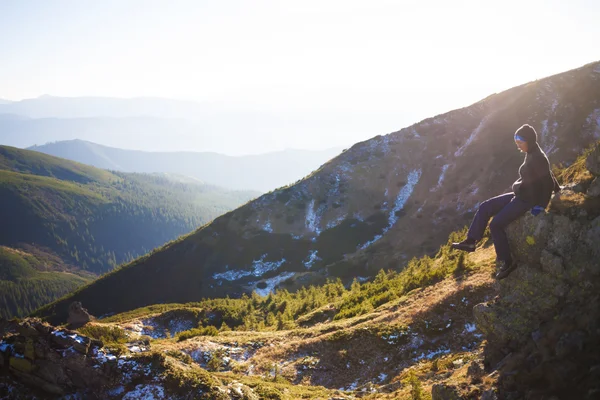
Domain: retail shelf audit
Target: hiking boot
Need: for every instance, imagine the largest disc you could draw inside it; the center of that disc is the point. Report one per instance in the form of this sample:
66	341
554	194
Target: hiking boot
465	245
504	268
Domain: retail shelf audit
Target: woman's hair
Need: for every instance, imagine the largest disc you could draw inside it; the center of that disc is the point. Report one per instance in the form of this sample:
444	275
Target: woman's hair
528	133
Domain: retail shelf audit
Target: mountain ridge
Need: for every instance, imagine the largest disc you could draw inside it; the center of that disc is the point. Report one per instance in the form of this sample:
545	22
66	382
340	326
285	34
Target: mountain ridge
256	172
374	206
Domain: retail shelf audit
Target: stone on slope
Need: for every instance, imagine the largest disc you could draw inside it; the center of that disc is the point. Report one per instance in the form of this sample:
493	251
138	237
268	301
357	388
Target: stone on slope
78	316
555	255
444	392
592	161
594	189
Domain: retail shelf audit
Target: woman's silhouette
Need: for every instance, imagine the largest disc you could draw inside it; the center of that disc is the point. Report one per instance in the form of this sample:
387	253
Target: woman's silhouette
531	191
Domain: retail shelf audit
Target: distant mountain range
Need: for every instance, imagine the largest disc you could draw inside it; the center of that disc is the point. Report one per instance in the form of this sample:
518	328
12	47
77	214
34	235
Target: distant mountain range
63	223
256	172
157	124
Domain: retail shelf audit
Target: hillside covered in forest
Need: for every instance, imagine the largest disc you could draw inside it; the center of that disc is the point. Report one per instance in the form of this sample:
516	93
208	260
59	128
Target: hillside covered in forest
65	222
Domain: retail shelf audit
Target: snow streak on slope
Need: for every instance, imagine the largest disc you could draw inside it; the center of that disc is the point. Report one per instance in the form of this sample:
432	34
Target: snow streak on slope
474	134
312	219
441	178
401	199
259	268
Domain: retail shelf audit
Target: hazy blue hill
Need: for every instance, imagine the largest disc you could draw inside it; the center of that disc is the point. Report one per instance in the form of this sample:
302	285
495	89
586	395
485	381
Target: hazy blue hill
259	172
80	218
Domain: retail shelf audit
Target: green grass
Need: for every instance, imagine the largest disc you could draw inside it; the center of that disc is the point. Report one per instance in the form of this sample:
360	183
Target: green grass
283	310
107	334
206	331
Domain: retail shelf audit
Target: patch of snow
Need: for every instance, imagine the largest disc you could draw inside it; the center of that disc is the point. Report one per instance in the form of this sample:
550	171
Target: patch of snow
312	219
352	386
403	195
472	137
116	391
296	237
416	341
335	222
441	178
272	282
382	377
145	392
6	346
401	199
362	279
311	259
261	266
470	327
267	227
370	242
432	354
554	105
597	69
231	275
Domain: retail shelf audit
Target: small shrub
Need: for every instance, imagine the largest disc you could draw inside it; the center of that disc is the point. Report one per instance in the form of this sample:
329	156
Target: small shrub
106	333
207	331
216	362
416	389
181	356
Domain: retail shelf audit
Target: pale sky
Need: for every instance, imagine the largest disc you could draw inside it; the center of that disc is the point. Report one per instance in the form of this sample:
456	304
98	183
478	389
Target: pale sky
413	59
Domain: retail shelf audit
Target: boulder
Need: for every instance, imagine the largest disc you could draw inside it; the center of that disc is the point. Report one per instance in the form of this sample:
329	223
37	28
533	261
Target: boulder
78	316
475	370
594	189
591	238
528	237
489	395
444	392
592	161
547	312
21	364
37	382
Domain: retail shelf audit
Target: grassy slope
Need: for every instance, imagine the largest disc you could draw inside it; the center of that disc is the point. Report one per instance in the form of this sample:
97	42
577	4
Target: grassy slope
323	348
84	218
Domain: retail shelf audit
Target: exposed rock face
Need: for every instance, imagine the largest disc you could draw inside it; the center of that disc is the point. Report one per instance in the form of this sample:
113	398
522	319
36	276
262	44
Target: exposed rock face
52	360
42	360
444	392
593	162
547	315
78	316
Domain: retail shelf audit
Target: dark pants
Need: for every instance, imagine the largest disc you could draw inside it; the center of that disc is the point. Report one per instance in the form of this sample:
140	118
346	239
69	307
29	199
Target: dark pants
506	209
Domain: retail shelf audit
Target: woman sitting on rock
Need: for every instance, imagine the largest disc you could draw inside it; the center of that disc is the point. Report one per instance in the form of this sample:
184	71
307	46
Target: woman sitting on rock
532	191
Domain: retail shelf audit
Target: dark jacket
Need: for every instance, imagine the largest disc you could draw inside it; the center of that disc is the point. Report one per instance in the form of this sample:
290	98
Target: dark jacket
536	181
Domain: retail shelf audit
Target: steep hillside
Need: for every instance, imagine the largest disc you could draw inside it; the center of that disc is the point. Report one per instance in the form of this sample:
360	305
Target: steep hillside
375	206
262	172
441	329
69	217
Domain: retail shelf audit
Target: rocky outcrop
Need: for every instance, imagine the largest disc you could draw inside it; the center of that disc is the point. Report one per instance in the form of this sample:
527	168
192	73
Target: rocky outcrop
52	360
78	316
545	323
38	360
